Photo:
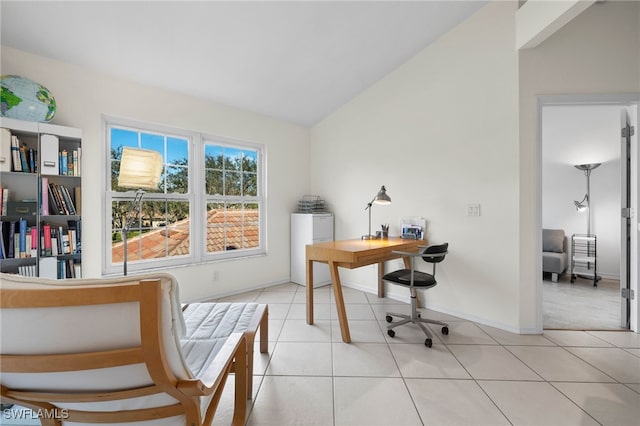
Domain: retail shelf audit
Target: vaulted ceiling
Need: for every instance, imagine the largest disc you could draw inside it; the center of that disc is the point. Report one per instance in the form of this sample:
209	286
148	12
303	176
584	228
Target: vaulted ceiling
297	61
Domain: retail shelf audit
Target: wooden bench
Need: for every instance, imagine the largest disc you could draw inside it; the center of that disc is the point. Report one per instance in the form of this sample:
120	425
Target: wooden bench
117	351
215	321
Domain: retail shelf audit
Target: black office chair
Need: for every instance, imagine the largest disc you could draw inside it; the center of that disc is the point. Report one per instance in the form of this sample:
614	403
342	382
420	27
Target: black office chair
414	280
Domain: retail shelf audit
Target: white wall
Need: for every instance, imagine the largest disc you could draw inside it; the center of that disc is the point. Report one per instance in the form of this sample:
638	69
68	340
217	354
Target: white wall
440	132
596	53
579	135
83	95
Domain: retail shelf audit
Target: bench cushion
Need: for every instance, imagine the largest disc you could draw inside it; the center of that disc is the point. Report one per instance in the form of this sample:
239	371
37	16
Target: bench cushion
210	324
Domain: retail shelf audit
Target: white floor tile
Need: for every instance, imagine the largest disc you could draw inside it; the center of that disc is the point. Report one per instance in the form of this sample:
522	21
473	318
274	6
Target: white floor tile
535	403
360	331
355	311
368	402
558	364
622	339
454	403
416	360
506	338
609	404
363	359
574	338
615	362
300	331
464	333
278	310
275	297
486	362
321	311
287	400
301	359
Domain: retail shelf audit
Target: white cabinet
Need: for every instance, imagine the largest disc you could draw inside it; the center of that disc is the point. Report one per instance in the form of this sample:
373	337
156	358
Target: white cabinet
309	228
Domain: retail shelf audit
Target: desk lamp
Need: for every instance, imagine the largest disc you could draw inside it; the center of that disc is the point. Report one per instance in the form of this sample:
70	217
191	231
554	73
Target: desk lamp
381	198
585	204
139	169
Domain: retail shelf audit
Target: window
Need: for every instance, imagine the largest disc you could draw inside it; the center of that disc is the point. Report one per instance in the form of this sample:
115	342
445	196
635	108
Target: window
208	205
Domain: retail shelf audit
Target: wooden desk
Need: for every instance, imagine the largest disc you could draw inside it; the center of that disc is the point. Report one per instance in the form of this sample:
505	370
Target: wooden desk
352	254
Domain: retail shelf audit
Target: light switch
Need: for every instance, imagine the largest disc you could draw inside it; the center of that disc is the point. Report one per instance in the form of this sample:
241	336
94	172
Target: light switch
473	209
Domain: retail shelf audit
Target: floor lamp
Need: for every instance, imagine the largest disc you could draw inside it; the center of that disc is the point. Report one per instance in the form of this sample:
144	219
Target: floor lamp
139	169
380	198
585	204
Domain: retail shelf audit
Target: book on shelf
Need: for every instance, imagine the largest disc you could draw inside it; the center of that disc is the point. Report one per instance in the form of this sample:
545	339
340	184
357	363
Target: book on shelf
5	150
27	270
64	166
15	154
44	196
32	159
23	159
46	240
2	249
22	223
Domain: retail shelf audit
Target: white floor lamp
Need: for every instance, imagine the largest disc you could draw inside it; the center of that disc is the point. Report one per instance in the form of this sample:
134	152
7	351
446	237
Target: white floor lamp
139	169
585	204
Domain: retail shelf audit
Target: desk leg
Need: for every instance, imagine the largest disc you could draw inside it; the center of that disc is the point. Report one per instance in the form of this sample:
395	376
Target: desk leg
342	313
309	291
380	282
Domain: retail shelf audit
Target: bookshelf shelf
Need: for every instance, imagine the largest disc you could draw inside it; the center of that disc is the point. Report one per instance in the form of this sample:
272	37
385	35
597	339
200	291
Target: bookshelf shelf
40	186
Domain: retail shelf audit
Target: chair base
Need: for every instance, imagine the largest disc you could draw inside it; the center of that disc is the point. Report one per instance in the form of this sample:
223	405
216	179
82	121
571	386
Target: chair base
414	318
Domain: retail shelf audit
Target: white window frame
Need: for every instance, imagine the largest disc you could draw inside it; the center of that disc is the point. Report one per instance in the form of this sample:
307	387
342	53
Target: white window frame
196	196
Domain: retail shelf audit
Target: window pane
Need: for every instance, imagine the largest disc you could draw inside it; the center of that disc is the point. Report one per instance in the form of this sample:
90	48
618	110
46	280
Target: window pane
121	138
177	213
177	179
215	227
232	159
250	161
232	226
153	142
232	183
178	241
249	184
213	156
213	182
177	151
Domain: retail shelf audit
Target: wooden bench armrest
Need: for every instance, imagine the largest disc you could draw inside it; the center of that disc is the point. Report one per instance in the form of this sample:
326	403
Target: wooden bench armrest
215	374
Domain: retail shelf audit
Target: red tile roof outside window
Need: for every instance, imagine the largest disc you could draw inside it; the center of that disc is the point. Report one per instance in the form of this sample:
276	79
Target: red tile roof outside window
233	229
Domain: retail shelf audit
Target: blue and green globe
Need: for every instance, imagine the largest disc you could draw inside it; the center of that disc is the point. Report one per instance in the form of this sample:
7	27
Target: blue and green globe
24	99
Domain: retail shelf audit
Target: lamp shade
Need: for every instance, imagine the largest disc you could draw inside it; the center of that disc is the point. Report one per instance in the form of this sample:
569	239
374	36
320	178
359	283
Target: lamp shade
140	168
382	197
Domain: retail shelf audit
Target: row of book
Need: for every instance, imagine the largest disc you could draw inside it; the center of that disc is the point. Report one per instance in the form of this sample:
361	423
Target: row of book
51	267
57	199
55	159
58	240
69	162
4	200
18	240
23	159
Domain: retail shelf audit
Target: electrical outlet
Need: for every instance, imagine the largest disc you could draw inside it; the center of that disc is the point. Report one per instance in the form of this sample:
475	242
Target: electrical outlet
216	276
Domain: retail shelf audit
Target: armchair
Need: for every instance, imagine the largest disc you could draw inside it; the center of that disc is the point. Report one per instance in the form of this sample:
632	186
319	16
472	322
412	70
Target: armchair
109	351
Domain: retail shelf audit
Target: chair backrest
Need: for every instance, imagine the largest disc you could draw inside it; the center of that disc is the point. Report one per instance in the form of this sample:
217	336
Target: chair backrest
94	345
437	252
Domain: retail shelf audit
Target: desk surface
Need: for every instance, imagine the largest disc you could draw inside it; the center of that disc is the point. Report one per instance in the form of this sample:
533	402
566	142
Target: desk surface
352	254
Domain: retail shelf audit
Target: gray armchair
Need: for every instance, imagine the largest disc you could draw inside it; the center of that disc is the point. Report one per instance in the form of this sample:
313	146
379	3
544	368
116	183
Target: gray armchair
555	256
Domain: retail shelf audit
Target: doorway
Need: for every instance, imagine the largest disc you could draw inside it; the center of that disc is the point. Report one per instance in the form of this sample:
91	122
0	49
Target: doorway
575	132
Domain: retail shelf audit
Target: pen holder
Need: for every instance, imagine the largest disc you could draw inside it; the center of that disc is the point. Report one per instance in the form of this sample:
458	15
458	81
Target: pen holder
384	235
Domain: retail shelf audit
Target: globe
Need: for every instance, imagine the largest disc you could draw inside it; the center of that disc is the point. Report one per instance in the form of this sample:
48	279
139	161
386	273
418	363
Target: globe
24	99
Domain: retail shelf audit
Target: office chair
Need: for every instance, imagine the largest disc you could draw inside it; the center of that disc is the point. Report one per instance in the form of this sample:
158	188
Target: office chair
414	280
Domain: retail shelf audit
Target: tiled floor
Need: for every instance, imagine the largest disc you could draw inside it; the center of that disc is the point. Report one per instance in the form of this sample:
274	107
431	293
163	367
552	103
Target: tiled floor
477	375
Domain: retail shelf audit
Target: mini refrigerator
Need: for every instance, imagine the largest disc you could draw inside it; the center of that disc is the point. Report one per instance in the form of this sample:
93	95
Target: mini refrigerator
309	228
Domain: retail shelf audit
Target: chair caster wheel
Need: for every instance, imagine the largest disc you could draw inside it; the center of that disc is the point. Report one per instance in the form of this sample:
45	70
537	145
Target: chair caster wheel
445	330
391	333
389	318
428	343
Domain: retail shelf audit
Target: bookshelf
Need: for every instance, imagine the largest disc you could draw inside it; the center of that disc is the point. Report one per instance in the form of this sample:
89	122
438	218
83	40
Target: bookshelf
40	199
